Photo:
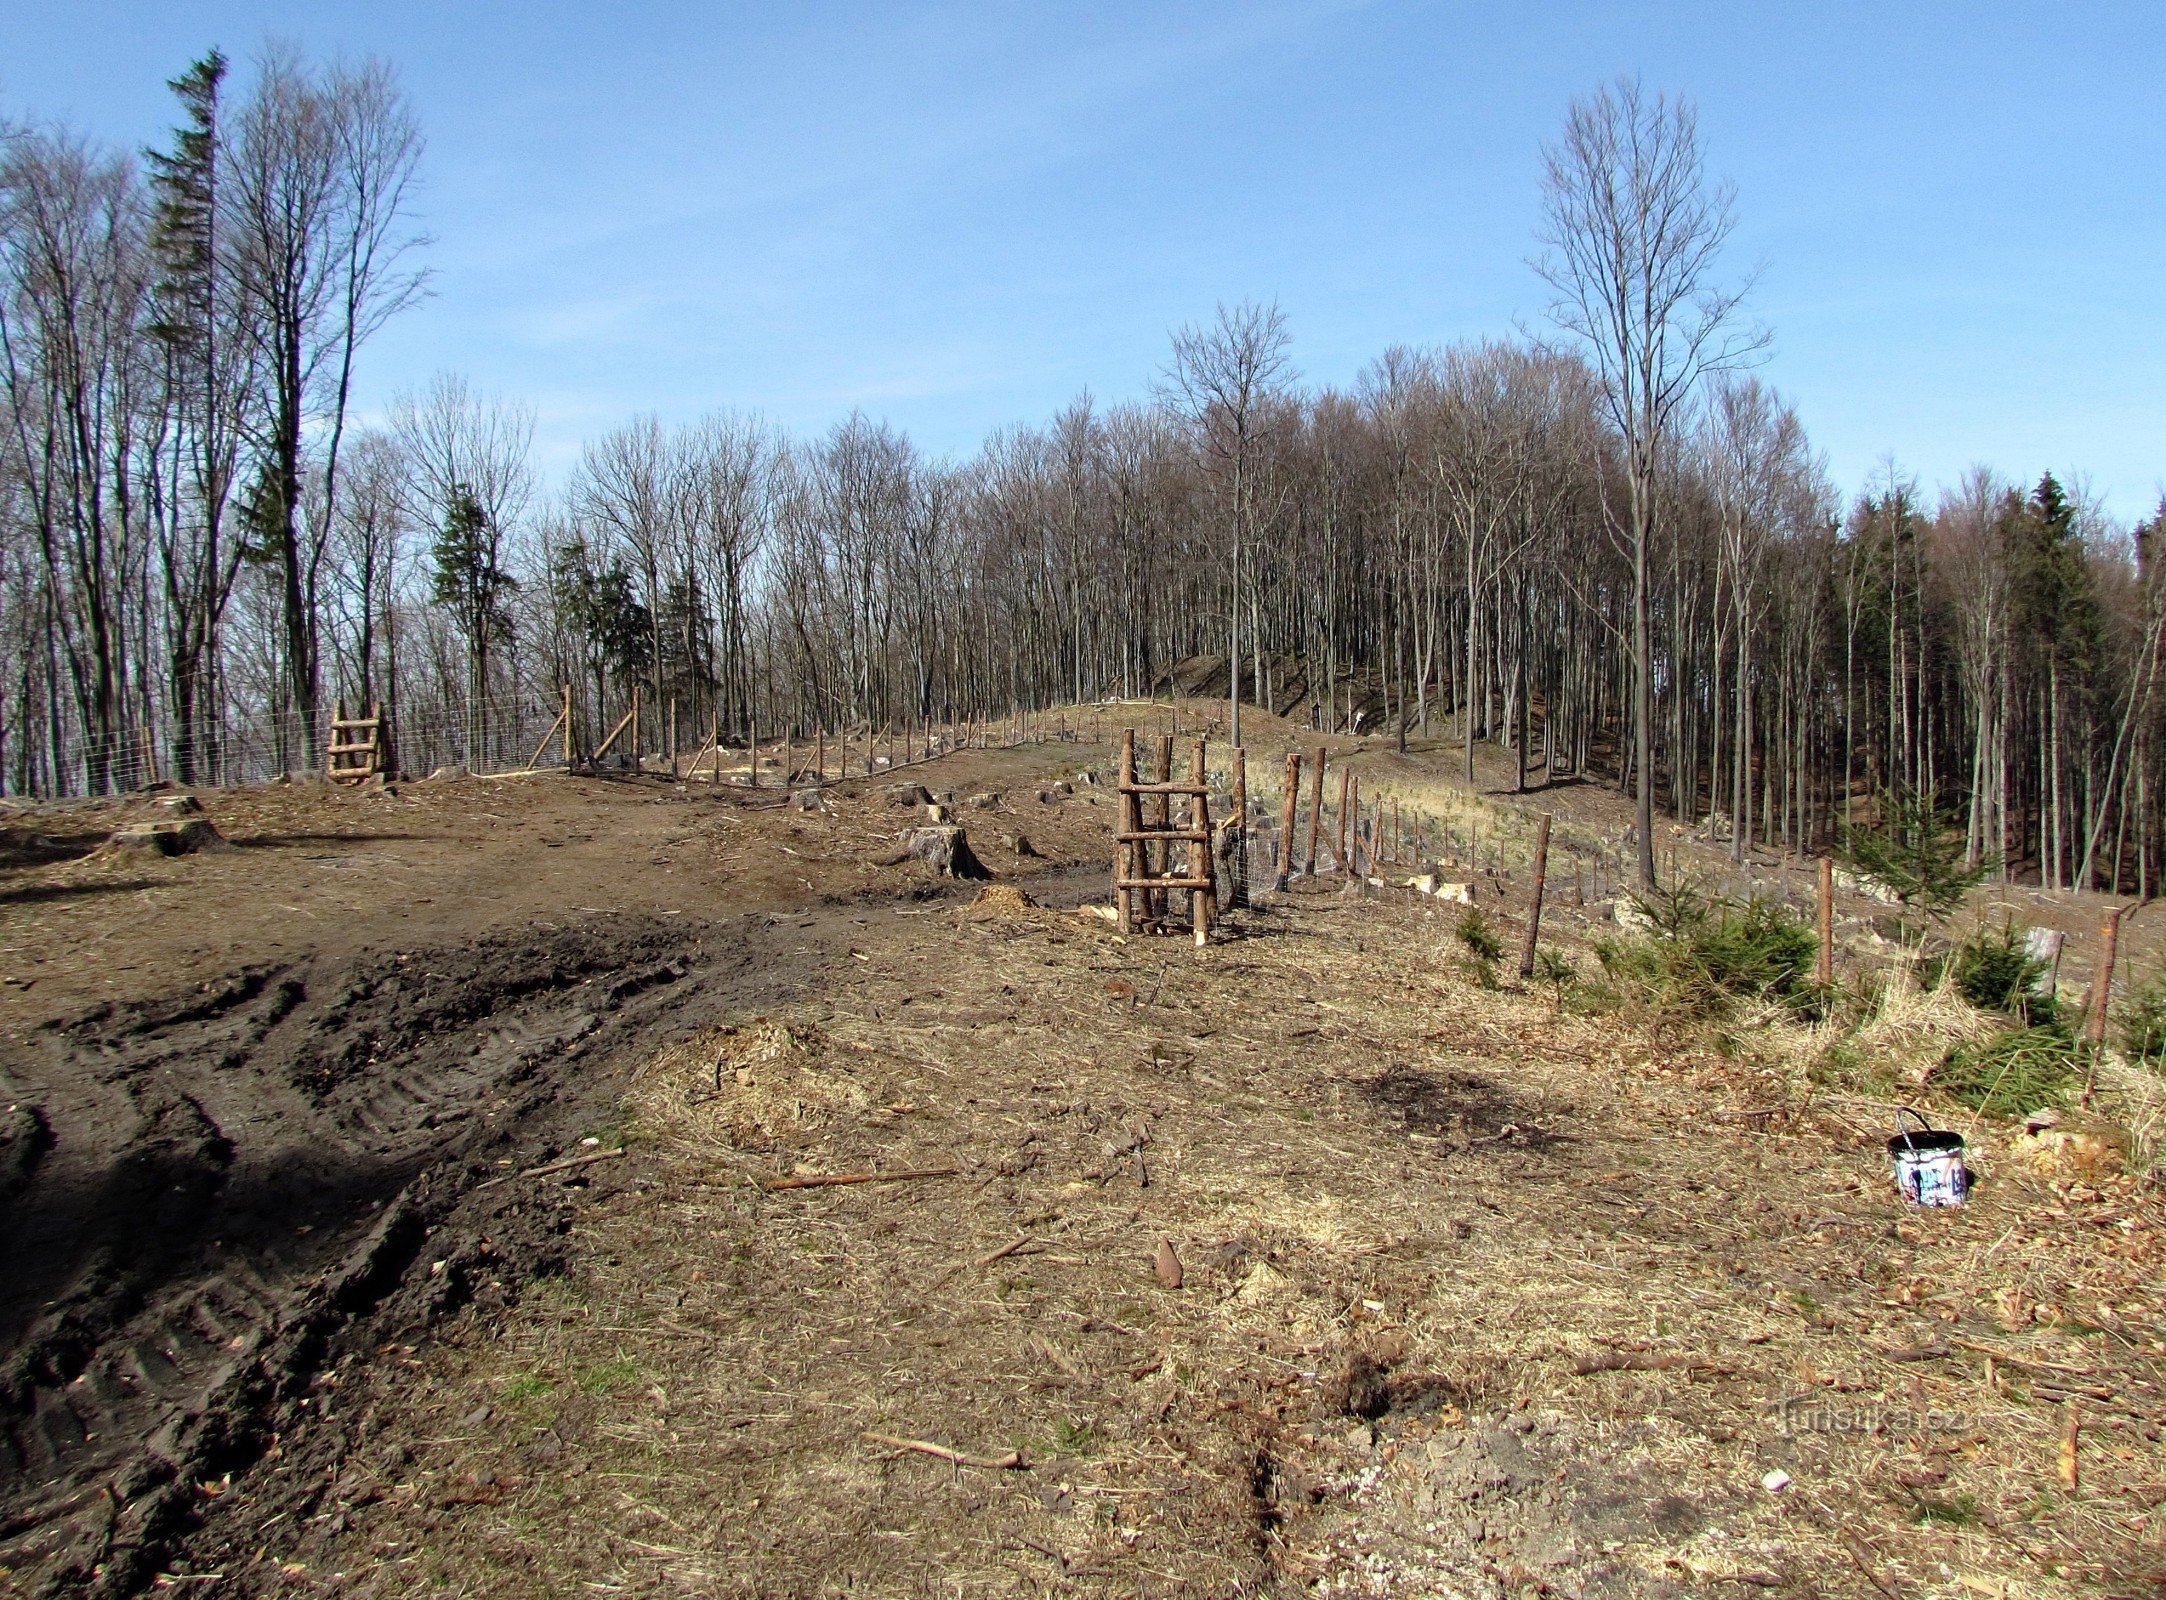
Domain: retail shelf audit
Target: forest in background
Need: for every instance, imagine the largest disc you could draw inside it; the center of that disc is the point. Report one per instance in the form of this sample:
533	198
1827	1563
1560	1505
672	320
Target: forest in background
1612	551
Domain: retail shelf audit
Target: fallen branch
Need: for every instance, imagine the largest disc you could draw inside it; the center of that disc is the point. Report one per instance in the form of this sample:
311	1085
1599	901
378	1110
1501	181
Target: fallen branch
1857	1559
548	1167
2015	1360
1926	1352
827	1180
1012	1461
1006	1250
1635	1361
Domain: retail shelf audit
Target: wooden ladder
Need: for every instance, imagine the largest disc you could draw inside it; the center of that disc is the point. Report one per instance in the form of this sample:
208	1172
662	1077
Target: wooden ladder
1144	850
357	750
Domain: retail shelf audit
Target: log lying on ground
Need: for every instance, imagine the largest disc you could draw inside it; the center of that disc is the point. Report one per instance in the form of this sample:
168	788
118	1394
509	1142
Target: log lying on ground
178	836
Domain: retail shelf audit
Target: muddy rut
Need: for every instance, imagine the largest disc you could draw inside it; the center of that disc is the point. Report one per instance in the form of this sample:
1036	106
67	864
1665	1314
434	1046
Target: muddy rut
201	1193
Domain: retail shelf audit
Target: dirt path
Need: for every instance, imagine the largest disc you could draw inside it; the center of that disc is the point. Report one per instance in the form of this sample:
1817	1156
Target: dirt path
246	1092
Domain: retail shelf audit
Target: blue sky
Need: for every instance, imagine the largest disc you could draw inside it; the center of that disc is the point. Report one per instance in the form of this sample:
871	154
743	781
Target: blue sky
959	216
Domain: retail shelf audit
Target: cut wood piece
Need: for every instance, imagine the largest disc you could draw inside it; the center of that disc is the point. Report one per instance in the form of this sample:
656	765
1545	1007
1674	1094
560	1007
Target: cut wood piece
1167	1266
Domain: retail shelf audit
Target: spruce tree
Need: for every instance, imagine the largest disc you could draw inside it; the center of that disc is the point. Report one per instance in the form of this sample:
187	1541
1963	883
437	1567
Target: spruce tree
471	579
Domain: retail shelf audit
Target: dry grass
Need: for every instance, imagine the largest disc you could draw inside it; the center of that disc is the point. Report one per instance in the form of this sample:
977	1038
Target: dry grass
1408	1212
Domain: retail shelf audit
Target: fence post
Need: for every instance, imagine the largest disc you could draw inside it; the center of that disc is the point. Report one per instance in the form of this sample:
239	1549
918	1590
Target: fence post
1125	850
1237	891
1199	850
1534	908
2109	936
1161	817
1316	813
1346	799
635	727
1824	968
1288	804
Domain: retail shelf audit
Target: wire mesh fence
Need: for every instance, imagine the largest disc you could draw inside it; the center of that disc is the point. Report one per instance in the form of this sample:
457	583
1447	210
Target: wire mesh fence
510	731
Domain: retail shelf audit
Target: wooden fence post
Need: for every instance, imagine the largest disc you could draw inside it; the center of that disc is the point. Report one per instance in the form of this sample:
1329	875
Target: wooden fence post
1199	848
1237	891
1316	813
567	727
1125	851
2109	937
635	727
1824	968
1346	799
1157	905
1534	909
1288	803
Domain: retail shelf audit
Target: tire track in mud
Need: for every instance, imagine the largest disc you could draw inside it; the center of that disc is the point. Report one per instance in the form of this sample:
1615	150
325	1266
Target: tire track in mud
201	1191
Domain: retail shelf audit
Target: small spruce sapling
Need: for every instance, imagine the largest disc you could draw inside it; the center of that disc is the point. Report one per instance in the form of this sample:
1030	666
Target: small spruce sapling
1916	852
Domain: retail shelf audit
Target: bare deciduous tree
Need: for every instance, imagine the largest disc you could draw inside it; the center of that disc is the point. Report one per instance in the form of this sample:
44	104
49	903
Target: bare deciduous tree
1633	231
1223	380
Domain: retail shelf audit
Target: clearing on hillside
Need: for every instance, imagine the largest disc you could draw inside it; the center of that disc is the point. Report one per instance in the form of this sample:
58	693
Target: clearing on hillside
568	1185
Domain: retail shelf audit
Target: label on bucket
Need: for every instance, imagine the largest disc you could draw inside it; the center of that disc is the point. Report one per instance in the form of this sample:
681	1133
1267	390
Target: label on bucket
1930	1177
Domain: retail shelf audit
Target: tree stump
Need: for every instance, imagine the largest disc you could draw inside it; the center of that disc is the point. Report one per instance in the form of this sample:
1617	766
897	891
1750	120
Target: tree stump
179	836
945	848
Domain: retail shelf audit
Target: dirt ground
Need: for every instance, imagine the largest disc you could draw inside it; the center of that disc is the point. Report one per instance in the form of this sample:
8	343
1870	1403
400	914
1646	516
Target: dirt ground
327	1275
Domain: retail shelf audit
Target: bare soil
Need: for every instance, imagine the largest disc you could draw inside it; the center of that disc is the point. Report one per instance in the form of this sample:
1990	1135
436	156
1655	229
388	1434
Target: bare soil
325	1275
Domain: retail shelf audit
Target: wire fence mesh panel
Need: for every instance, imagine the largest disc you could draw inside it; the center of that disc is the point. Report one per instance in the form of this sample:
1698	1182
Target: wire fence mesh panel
502	734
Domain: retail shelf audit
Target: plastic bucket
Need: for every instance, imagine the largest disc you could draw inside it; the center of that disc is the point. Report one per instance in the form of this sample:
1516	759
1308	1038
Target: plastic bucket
1928	1161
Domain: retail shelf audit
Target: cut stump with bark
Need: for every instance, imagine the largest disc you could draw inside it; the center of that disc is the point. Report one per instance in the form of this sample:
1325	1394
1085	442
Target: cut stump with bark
177	836
943	847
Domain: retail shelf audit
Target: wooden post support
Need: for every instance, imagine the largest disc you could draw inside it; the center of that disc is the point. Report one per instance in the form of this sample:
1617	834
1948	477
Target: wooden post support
1158	859
534	760
789	759
1199	848
673	736
567	715
2109	937
623	722
1534	907
752	750
819	751
1287	805
1316	814
1127	854
1824	968
635	727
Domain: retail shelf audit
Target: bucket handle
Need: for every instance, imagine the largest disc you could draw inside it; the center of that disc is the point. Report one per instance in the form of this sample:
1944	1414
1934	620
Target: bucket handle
1907	1135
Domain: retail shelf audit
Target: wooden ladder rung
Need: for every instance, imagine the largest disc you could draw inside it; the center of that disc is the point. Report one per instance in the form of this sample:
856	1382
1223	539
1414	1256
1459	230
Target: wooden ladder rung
1161	883
1165	788
1198	835
349	749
